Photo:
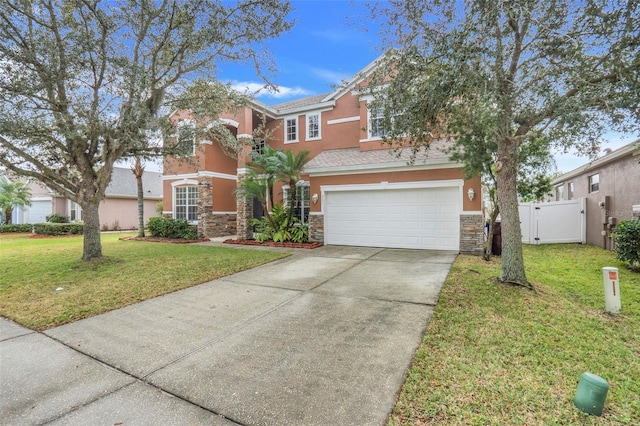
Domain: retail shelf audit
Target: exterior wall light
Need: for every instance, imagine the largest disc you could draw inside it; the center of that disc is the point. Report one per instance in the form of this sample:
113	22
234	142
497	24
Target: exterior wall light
471	193
314	198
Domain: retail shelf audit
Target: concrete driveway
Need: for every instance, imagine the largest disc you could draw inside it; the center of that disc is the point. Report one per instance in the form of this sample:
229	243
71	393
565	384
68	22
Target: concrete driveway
322	337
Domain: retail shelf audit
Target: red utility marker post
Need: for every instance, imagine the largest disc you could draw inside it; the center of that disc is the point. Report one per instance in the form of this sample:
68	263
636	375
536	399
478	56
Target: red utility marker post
611	290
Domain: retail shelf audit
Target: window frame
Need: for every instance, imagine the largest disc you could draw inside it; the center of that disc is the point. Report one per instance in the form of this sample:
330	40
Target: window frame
75	212
305	203
187	205
181	125
308	117
286	129
570	190
594	183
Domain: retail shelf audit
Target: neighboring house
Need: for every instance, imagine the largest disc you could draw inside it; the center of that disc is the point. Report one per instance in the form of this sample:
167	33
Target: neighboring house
355	191
119	209
19	214
611	187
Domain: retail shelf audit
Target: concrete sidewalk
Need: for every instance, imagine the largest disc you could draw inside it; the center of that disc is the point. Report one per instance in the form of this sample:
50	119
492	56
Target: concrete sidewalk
322	337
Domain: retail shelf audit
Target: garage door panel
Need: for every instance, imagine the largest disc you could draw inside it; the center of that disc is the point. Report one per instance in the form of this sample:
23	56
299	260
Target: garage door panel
399	218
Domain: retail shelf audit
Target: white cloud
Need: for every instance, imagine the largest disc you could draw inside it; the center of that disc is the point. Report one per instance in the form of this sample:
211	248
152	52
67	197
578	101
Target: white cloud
330	76
259	90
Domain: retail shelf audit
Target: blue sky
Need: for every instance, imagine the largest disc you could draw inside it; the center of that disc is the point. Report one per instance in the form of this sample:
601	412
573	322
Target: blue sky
327	45
330	42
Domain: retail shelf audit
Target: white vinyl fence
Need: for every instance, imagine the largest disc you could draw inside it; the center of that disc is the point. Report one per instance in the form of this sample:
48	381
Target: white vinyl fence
554	222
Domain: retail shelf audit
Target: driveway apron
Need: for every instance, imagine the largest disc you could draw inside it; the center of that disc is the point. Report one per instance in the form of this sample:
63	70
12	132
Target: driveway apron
322	337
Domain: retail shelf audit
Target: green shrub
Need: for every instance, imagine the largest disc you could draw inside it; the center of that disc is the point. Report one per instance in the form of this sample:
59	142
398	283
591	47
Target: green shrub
57	218
26	227
627	239
171	228
58	228
286	229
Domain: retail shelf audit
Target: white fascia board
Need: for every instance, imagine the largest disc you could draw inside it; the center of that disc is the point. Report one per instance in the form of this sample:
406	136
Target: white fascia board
319	107
599	162
200	174
358	77
42	198
383	168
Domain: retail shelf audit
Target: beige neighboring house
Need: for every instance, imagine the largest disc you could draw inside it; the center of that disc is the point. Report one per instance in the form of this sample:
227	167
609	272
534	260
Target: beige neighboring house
119	209
611	186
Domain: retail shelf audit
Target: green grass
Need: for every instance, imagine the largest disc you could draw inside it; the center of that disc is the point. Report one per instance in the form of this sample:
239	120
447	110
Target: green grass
494	354
32	269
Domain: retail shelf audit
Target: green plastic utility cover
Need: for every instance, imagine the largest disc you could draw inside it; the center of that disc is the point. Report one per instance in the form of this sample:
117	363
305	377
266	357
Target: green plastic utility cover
591	394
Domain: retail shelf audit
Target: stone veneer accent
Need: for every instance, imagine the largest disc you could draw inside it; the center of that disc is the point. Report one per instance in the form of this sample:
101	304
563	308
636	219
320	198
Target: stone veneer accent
316	228
471	234
211	224
244	209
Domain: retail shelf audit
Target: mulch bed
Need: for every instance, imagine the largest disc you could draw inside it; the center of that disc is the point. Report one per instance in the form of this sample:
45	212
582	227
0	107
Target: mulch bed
165	240
273	244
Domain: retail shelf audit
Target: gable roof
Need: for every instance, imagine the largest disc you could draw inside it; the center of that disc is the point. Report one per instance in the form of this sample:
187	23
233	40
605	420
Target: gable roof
632	148
123	184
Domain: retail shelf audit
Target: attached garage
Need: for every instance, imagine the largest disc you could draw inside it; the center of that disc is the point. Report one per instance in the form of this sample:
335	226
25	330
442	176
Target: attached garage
419	215
39	210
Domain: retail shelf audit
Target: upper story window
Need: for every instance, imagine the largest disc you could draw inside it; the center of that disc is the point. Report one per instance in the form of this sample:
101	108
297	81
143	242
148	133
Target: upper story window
376	128
313	126
186	203
291	130
258	146
594	183
570	191
186	143
559	192
376	117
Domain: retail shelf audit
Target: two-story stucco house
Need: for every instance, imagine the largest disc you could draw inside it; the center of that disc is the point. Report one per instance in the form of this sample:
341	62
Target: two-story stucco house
611	186
355	190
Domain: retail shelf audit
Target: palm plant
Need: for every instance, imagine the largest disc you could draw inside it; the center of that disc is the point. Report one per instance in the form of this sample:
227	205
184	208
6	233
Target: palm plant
289	171
13	194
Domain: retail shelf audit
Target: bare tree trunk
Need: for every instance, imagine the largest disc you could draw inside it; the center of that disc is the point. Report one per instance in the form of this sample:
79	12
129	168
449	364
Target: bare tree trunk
7	215
138	171
506	172
92	248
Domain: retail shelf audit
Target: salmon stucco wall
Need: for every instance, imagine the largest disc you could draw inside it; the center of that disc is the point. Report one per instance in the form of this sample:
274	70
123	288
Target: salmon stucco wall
123	212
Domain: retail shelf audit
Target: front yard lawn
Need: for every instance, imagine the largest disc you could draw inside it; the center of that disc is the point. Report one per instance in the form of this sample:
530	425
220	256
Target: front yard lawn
494	354
43	282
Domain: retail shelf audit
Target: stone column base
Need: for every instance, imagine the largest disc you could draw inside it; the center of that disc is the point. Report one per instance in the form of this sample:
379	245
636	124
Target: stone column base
472	234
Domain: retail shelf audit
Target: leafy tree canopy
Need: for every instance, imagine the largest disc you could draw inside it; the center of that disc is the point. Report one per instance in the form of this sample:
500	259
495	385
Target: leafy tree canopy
557	71
82	81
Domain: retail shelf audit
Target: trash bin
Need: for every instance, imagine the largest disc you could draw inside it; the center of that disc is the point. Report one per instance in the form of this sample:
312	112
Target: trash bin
591	394
496	244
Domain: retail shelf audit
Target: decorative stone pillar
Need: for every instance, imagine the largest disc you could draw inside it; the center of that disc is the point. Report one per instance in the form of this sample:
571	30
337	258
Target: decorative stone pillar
244	213
316	228
205	205
471	234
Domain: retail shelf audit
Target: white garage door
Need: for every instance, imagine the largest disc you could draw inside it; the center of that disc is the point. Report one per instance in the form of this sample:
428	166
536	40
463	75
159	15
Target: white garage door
39	210
416	218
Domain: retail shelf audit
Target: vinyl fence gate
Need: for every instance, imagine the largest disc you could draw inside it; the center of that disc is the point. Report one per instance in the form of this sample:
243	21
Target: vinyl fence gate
554	222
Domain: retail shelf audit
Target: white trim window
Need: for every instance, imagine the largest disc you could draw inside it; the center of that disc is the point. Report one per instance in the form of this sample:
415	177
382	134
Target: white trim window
186	137
75	212
313	126
291	130
301	210
186	203
594	183
376	119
